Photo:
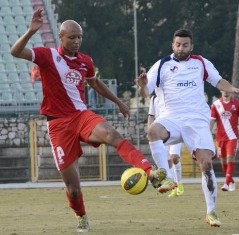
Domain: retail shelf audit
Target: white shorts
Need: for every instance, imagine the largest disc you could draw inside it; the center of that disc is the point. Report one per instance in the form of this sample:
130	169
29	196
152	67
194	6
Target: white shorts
175	149
195	133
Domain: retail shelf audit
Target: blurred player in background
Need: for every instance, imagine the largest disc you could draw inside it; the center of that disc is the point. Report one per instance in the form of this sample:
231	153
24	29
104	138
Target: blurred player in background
184	113
174	150
63	72
225	114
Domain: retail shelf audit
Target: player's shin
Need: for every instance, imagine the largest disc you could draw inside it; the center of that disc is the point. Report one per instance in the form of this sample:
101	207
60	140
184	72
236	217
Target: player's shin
209	186
134	157
160	155
76	204
178	172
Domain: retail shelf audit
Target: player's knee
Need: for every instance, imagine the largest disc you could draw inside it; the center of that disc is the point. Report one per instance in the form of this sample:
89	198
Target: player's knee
157	132
205	164
111	136
175	158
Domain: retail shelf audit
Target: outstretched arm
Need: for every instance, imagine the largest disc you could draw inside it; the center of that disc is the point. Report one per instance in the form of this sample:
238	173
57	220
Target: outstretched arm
19	48
103	90
224	85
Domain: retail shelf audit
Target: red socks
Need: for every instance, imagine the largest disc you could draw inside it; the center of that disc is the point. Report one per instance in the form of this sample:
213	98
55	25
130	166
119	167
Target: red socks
77	205
230	172
224	167
134	157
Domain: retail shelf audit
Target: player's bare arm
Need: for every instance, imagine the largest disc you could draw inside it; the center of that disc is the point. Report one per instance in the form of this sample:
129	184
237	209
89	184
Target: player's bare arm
103	90
19	48
142	81
224	85
212	123
151	119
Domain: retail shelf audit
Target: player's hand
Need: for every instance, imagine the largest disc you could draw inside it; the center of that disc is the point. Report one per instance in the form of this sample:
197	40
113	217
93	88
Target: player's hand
37	20
142	80
124	109
235	90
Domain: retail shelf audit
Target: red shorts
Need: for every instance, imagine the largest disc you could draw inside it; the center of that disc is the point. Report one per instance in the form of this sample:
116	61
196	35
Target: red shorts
67	133
227	148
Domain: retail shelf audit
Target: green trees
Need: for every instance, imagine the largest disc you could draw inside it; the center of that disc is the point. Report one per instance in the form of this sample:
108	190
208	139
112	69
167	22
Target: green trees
109	34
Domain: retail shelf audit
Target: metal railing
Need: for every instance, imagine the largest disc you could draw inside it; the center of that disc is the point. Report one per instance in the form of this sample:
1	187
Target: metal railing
13	97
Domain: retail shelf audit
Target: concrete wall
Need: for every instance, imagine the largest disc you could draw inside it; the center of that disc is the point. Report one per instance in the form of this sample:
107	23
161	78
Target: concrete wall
15	148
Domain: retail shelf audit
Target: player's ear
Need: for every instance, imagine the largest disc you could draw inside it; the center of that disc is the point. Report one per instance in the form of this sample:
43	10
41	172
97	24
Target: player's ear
60	35
192	47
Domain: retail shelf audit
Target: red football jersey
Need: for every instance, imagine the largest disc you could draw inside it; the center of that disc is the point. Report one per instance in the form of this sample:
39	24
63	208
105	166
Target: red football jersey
226	115
63	80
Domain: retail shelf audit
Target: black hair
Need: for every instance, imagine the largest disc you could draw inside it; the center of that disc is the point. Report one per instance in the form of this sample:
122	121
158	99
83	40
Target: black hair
183	33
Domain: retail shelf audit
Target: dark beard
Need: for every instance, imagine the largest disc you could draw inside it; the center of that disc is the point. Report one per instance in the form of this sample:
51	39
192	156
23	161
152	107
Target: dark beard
181	56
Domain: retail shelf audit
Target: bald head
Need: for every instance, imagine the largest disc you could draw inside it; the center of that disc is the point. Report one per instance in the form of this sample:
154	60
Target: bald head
70	26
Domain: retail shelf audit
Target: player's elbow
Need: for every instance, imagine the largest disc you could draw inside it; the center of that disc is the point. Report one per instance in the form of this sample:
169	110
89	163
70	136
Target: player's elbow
14	52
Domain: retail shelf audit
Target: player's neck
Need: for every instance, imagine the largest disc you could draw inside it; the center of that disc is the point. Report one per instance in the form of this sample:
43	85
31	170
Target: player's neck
226	100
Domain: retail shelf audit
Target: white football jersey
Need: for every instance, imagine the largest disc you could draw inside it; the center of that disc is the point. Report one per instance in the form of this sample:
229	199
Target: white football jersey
154	106
180	86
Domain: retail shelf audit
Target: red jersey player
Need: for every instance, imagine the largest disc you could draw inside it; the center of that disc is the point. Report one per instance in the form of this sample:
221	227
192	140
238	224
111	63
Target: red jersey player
63	72
225	113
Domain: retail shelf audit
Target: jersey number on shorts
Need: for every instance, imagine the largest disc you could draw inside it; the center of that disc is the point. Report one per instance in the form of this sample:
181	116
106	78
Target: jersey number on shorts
60	154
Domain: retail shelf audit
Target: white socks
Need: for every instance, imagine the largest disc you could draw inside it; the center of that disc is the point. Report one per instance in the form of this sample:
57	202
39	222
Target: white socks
177	168
160	155
209	186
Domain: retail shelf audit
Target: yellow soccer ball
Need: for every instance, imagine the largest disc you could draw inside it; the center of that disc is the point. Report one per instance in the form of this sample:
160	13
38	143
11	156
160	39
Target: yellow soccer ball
134	180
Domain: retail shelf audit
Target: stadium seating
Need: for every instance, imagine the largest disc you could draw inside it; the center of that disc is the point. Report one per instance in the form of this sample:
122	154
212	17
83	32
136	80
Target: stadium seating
2	68
6	97
4	2
30	97
12	38
27	10
24	76
5	47
3	76
10	66
11	29
16	10
8	20
14	2
25	2
5	87
21	29
5	10
19	19
15	83
13	76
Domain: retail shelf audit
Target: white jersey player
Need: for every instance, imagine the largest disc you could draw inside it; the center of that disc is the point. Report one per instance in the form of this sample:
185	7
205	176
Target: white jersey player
185	113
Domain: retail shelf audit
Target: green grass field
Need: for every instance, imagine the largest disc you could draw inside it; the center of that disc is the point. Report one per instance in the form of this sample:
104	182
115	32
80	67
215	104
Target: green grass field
112	211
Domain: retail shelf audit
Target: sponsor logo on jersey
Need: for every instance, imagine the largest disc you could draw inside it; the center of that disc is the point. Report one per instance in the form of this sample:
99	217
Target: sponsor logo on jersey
192	68
226	115
186	84
73	77
174	68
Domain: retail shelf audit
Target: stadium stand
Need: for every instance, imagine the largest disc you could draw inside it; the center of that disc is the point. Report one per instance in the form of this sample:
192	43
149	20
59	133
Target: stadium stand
16	86
15	16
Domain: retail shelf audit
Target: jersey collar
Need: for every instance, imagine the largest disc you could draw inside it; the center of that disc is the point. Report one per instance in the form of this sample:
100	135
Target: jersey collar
61	52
